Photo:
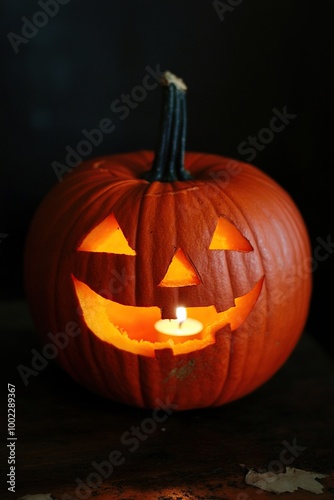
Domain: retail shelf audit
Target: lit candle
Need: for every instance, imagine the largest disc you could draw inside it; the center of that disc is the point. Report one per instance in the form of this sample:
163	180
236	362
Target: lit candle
179	329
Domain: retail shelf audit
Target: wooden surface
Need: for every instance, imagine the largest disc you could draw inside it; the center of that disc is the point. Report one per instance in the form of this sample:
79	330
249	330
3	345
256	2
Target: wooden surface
62	430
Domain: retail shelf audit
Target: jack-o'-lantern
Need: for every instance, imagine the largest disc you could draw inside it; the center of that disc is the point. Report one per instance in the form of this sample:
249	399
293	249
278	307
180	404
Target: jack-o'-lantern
125	240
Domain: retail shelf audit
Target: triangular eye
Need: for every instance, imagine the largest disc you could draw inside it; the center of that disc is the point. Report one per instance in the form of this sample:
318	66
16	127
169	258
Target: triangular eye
180	272
107	237
228	237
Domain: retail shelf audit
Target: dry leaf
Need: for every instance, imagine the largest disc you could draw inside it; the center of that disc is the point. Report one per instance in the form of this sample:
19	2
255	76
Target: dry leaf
288	481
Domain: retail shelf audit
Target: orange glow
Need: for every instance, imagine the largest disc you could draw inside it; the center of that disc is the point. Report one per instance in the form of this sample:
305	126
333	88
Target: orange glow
132	329
107	237
228	237
180	329
180	272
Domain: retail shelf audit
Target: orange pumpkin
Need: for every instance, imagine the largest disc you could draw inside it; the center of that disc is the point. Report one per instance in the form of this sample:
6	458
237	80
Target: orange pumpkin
118	245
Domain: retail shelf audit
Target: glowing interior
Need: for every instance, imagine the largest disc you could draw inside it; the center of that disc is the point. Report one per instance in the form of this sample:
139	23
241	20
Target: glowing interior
107	237
131	328
228	237
180	272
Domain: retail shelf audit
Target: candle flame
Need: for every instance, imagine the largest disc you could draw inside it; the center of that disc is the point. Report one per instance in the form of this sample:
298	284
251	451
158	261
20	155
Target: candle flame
181	314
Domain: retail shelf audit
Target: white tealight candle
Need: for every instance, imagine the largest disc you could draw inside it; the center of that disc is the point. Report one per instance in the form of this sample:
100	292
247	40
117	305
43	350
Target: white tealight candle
180	329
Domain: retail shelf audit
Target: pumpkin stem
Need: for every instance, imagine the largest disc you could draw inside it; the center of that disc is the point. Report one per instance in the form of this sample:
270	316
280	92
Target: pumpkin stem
168	163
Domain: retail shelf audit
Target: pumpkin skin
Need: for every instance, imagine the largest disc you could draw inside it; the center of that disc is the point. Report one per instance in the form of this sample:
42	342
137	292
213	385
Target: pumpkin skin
156	219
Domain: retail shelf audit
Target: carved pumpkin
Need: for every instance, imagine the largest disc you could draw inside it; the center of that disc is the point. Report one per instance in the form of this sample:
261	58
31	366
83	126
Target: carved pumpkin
118	245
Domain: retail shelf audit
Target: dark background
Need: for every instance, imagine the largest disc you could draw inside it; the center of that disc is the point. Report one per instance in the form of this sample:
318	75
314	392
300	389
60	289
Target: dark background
262	55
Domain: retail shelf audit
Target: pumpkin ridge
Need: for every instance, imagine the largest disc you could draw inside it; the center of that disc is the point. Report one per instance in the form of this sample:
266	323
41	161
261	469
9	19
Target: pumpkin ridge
250	230
264	328
93	361
264	290
223	383
143	211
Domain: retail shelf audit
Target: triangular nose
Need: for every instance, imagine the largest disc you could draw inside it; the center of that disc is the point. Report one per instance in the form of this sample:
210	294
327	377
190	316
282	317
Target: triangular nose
180	272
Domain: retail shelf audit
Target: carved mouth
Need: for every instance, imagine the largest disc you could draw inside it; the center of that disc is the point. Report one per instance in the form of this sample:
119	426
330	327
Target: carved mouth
131	328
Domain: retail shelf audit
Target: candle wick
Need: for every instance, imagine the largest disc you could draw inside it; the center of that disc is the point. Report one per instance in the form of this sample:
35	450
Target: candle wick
181	323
